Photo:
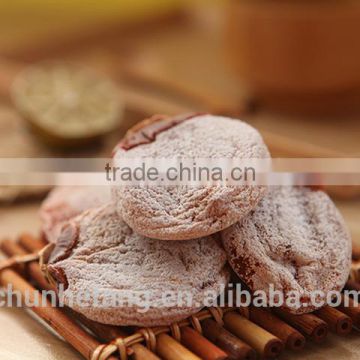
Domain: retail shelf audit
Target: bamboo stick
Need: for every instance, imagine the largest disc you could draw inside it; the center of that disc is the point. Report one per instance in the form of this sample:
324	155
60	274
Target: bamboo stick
308	324
107	333
33	269
200	346
170	349
11	248
63	325
352	310
267	345
232	345
352	285
292	338
140	352
338	322
31	243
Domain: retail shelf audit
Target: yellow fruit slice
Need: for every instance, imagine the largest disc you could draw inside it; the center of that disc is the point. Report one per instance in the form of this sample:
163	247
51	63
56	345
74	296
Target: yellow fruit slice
66	103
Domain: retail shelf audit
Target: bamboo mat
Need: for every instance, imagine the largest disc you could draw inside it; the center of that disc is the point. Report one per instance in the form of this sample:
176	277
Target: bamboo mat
332	347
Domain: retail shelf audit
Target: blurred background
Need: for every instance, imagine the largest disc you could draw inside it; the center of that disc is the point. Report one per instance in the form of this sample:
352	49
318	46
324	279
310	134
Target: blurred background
290	68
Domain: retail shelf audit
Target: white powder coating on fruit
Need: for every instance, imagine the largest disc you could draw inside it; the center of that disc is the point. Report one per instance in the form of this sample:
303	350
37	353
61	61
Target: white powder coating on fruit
66	202
184	212
296	240
98	251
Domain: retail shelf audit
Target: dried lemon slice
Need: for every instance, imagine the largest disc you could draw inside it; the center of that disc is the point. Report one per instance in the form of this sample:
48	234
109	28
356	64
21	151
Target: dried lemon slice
67	103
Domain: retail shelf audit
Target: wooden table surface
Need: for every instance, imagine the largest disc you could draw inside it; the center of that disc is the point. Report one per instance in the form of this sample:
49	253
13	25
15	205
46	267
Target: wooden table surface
188	55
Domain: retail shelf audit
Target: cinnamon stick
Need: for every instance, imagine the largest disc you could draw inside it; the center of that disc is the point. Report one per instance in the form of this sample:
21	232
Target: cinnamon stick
170	349
350	308
308	324
338	322
200	346
292	338
63	325
267	345
232	345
